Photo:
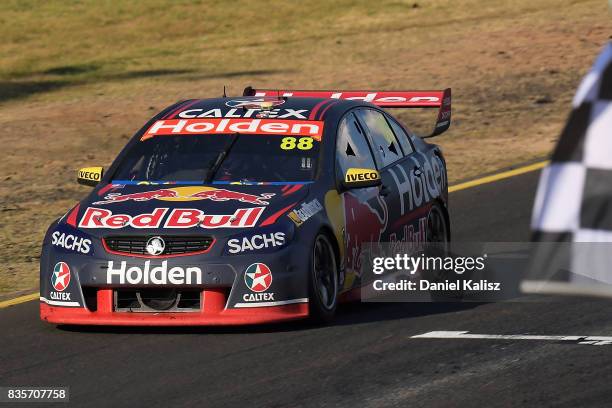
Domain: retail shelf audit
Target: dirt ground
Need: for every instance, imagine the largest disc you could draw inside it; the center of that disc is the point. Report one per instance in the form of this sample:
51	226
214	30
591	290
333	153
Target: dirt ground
74	100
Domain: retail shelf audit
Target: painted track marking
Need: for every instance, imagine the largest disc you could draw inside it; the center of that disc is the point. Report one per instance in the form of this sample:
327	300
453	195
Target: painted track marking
590	340
456	187
498	176
20	299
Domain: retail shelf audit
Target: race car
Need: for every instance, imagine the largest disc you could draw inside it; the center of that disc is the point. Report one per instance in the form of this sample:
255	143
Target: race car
249	209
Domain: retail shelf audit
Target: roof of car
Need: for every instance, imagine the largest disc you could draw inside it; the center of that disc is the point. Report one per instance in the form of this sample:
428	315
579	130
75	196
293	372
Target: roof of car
291	108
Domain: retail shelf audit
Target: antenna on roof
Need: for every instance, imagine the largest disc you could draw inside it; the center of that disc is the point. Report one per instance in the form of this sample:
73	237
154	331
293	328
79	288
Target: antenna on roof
224	94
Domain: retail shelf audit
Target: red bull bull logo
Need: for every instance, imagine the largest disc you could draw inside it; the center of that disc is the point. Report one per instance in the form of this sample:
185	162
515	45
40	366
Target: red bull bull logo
189	193
366	219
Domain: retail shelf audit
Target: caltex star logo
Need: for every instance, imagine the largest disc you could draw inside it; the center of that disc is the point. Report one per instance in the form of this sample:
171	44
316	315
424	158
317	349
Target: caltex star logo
258	277
60	279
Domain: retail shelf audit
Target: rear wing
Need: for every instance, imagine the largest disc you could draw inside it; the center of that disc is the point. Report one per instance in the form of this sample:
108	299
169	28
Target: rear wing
383	99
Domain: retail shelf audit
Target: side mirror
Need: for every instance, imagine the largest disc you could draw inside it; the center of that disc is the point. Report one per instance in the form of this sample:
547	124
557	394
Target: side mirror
361	178
90	176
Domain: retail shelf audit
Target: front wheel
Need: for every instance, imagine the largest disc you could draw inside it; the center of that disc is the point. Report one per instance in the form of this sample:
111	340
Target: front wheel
323	288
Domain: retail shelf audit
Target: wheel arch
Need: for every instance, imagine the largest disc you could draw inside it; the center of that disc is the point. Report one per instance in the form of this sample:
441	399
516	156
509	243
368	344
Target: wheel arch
328	231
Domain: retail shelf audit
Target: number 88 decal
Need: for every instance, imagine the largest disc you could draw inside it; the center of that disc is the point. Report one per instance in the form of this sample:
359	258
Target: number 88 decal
290	143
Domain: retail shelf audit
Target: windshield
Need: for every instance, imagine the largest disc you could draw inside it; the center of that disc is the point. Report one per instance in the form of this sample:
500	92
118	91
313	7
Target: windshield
251	158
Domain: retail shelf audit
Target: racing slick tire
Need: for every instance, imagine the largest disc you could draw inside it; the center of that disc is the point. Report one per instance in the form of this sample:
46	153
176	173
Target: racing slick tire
438	245
323	280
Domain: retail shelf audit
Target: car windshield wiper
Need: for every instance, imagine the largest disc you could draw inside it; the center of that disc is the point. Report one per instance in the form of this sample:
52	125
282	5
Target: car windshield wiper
210	174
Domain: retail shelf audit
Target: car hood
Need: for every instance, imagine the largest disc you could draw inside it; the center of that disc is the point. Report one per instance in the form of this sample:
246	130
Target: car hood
184	209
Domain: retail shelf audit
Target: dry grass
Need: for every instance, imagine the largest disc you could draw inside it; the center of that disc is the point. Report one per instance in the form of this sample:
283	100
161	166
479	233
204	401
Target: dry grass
78	78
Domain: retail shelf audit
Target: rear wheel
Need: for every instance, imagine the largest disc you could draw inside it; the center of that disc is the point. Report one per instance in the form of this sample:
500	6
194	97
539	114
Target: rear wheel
438	234
438	245
323	288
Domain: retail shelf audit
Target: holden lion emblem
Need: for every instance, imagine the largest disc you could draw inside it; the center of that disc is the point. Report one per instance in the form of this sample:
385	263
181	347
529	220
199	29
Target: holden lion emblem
155	246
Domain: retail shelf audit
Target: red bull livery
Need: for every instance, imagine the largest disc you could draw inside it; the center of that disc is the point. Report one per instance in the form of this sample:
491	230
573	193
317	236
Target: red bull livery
251	209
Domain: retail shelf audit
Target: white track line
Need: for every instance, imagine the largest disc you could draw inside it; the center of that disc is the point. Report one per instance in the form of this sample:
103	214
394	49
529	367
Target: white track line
591	340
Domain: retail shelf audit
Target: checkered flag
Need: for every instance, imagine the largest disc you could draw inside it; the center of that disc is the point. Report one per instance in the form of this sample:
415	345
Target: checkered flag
572	215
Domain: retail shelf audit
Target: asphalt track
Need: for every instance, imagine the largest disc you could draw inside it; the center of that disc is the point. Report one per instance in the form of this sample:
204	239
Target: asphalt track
366	359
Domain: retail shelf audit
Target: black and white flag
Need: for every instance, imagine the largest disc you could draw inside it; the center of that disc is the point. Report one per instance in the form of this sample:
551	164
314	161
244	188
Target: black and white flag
572	215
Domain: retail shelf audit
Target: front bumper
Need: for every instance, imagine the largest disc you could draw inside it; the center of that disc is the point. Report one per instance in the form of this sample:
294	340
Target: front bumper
91	297
212	313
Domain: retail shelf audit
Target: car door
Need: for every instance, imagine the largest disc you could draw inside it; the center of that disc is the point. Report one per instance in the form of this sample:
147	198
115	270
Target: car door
420	180
364	210
402	184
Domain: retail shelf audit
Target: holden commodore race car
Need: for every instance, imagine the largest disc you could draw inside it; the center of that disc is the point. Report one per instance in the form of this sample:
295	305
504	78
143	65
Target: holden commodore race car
247	209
